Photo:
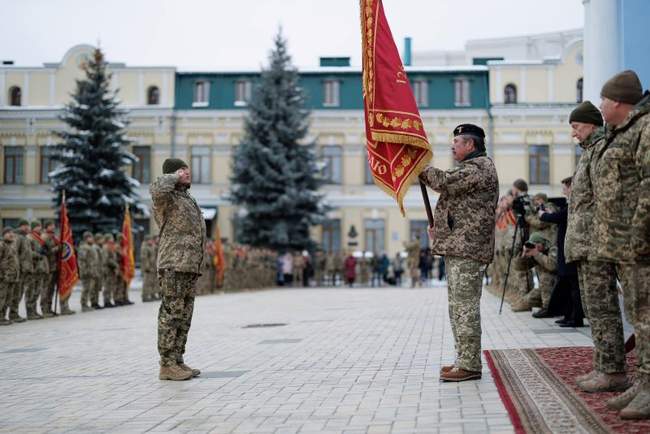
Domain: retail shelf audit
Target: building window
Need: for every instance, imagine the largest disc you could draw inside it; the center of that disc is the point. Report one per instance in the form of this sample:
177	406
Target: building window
14	158
510	94
243	91
15	96
418	228
142	167
10	223
331	240
421	93
201	165
461	92
331	97
332	156
538	164
374	235
201	94
48	163
153	95
579	90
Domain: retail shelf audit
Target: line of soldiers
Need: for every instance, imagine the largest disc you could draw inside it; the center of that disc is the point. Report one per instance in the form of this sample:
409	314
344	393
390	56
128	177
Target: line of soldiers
99	259
28	261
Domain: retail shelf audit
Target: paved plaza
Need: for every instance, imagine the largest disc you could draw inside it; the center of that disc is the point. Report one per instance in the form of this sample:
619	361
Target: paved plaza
337	361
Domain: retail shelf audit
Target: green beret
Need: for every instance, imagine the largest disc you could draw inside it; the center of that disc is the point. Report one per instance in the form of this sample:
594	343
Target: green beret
7	229
171	165
87	235
538	238
624	87
586	113
469	129
23	222
35	224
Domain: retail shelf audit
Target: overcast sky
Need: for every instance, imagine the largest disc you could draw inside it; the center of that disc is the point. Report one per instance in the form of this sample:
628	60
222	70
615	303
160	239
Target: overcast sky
213	34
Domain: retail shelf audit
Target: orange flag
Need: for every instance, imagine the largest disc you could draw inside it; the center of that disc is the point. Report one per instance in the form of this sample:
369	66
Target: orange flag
397	145
126	247
219	261
68	272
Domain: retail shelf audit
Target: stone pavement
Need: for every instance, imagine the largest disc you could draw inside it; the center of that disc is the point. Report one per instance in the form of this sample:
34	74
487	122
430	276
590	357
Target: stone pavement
346	361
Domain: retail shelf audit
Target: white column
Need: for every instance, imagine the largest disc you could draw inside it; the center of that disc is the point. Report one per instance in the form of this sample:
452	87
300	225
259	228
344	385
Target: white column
3	91
25	90
601	46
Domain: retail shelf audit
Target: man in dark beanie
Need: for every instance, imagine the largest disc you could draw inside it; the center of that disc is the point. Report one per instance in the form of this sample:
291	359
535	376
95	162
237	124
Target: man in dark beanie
597	278
621	185
463	232
182	236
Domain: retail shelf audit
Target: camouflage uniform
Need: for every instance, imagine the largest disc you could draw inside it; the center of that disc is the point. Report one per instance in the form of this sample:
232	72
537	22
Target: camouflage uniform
26	256
546	264
98	270
47	291
621	186
413	261
597	278
111	270
38	276
464	234
9	274
182	236
147	267
87	260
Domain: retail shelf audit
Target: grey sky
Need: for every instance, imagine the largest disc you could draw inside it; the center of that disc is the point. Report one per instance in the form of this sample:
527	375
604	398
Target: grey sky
213	34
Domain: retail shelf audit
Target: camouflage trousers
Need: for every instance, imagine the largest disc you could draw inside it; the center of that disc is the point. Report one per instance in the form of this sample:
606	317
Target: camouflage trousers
175	314
87	286
95	290
148	285
635	280
36	282
6	290
47	292
13	303
600	302
464	278
110	285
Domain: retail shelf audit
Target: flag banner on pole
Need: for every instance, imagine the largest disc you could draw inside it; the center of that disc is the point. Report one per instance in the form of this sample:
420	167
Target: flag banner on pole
67	260
397	145
126	247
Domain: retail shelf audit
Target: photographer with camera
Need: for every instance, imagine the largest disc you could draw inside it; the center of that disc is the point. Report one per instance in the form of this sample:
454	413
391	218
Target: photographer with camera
539	253
566	293
522	280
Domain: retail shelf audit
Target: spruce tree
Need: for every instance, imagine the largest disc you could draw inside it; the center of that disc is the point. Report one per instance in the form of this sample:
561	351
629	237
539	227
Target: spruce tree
275	176
93	155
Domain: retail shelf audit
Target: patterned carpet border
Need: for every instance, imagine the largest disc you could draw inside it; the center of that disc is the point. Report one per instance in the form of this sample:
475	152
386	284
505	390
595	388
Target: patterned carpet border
537	388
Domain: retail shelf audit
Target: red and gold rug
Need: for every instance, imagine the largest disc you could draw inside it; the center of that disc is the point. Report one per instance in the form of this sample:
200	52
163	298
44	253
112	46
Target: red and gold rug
537	387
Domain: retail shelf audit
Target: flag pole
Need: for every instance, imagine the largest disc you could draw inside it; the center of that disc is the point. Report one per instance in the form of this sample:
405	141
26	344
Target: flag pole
58	255
427	204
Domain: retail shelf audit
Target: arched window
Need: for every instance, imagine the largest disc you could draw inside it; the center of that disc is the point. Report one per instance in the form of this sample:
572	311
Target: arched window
153	95
15	96
510	94
579	90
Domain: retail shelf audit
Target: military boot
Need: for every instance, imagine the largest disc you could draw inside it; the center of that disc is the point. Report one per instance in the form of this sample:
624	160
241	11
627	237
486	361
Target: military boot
67	311
86	308
174	373
4	322
602	382
17	318
639	407
621	401
184	367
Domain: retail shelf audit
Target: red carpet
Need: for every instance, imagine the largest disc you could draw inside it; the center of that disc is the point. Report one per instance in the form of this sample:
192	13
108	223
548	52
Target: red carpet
538	389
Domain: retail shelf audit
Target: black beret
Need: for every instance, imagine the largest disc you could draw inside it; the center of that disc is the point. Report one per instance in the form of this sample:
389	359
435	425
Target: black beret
586	113
36	224
470	129
171	165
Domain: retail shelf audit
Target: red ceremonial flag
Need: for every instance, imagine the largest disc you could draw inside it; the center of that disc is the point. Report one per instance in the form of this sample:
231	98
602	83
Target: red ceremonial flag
68	273
397	145
126	247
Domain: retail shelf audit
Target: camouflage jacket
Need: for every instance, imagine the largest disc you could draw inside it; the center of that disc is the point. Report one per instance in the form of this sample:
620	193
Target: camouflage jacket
26	254
545	263
52	248
9	262
464	217
182	228
581	203
39	263
99	251
88	261
549	230
622	189
110	261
